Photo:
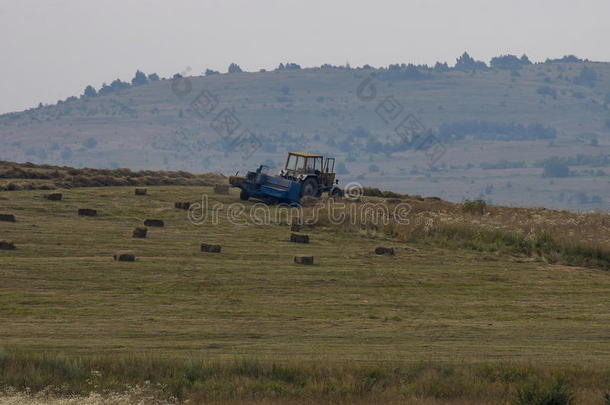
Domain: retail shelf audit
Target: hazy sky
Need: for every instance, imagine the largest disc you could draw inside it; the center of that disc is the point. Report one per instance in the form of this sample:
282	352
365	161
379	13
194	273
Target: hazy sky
52	49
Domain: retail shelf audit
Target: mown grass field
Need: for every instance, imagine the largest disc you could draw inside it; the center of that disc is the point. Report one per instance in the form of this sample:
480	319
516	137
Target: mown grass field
62	293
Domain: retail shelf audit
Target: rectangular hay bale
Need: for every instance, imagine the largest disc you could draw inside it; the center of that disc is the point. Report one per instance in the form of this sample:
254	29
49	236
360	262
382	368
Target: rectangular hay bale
182	205
141	191
303	260
124	257
7	217
297	238
205	247
140	232
384	251
54	196
6	245
154	222
87	212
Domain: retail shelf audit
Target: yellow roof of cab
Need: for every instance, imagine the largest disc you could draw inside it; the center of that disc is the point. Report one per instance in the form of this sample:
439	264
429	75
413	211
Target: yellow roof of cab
305	154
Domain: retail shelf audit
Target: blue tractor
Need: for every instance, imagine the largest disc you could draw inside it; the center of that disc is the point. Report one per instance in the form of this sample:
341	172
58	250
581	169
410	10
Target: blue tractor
305	174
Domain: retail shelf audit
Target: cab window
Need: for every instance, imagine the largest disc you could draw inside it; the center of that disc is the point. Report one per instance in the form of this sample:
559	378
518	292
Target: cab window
295	163
311	164
300	164
292	162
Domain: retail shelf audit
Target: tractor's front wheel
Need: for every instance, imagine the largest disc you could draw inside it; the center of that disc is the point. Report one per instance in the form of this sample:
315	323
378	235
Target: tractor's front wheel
244	195
336	192
309	187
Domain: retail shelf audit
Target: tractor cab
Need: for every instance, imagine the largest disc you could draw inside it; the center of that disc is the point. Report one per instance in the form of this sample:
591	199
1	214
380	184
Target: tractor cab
315	173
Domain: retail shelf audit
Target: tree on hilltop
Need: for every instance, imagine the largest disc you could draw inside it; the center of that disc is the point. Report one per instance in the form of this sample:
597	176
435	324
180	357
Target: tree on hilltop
234	68
139	79
90	91
466	62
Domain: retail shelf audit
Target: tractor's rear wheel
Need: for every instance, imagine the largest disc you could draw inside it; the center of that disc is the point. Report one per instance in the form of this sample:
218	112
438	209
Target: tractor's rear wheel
244	195
309	187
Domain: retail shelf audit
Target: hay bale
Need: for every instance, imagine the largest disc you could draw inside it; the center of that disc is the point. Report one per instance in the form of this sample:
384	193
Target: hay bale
7	217
303	260
6	245
141	191
221	189
140	232
154	222
384	251
296	238
184	205
295	228
53	196
210	248
87	212
124	257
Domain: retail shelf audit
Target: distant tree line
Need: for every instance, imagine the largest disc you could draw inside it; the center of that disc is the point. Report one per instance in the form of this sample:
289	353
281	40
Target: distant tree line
405	72
359	138
464	63
503	165
139	79
566	59
578	160
497	131
509	62
288	66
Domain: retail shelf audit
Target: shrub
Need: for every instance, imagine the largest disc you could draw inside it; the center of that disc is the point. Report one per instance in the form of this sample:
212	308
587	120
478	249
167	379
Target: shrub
372	192
90	143
474	207
554	167
556	393
587	77
547	91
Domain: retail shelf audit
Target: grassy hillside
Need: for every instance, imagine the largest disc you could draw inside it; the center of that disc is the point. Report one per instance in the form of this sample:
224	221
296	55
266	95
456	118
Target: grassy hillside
476	304
28	176
154	126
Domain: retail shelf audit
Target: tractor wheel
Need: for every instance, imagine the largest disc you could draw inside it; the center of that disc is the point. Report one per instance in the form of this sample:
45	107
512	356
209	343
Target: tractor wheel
309	187
244	195
336	192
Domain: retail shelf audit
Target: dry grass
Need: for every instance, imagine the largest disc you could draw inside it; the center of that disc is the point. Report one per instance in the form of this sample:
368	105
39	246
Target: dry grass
28	176
158	379
578	239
